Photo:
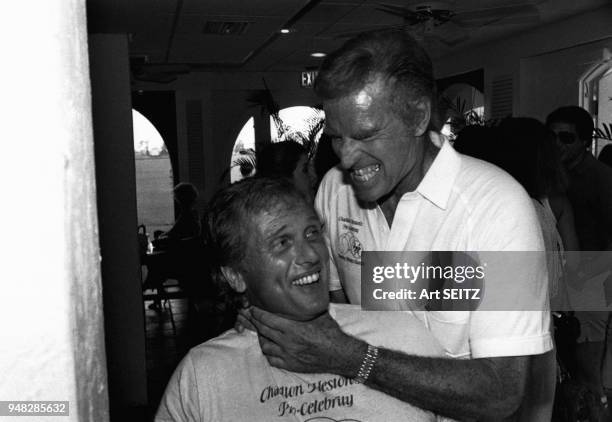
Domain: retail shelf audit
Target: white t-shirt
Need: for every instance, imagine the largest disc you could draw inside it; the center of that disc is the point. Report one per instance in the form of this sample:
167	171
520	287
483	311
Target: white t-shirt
462	204
229	379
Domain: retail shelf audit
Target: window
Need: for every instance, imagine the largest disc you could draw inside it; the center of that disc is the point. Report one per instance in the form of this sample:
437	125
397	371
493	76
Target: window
596	97
463	105
300	123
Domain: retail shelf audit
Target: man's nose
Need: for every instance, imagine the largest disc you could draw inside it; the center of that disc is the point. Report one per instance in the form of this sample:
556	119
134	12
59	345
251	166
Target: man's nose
346	150
307	254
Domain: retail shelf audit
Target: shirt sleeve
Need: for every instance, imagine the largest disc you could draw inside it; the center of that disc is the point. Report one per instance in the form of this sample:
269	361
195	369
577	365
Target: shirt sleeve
180	401
510	333
323	211
507	222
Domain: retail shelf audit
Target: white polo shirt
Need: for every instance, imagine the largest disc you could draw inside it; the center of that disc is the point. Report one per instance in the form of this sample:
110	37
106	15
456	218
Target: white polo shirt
462	204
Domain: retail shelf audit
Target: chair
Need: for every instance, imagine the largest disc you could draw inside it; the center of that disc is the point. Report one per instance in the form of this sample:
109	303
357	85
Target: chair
174	272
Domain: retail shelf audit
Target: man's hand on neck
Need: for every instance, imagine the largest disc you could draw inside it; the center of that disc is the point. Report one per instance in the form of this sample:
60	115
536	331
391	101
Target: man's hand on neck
314	346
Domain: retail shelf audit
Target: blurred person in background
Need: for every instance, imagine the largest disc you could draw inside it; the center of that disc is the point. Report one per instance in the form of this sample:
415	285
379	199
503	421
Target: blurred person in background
173	248
289	159
590	193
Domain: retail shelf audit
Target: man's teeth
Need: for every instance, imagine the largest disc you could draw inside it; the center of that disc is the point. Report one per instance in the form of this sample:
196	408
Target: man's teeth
365	173
309	279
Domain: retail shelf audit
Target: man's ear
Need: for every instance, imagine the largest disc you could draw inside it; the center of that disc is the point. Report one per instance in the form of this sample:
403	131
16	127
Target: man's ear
234	278
422	116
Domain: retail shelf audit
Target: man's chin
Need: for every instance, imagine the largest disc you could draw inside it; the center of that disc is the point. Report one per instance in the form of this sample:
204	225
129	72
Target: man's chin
307	315
364	194
316	315
573	160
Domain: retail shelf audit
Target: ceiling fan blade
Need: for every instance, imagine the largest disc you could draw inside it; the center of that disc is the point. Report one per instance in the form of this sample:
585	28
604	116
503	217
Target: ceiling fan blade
509	20
395	10
467	24
350	34
487	16
451	34
450	42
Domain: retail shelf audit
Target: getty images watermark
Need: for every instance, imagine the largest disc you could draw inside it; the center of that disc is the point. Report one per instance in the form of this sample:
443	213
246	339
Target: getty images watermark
486	281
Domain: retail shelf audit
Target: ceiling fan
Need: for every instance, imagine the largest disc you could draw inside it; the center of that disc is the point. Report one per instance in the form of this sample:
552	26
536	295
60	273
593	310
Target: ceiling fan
441	21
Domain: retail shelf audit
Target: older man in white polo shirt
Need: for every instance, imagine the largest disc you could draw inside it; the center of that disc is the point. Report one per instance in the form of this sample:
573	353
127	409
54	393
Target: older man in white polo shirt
400	187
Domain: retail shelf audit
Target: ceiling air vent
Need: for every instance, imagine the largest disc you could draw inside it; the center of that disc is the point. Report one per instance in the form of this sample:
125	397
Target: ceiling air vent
226	27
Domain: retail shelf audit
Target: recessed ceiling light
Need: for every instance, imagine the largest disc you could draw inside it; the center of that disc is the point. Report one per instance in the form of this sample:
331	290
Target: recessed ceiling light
318	54
285	31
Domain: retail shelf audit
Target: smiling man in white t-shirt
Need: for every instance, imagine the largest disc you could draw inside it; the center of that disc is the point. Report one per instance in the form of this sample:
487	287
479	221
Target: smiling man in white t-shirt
268	244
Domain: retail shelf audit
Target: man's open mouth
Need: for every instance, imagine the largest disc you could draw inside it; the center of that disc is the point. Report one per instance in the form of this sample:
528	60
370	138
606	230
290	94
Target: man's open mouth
308	279
365	173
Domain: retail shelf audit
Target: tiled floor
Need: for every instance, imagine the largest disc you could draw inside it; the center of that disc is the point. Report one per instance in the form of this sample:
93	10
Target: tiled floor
169	336
165	344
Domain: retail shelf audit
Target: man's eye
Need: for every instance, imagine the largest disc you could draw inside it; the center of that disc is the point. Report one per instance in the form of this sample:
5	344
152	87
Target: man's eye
281	243
313	234
369	137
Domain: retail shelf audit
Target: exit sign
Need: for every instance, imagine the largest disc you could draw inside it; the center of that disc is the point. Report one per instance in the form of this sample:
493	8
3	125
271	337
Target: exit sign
308	78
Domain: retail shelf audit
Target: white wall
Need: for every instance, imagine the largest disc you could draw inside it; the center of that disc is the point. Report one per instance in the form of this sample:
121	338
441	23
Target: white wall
529	57
51	341
550	80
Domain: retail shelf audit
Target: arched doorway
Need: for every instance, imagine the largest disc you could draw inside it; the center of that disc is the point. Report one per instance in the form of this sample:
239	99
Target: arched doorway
154	177
242	163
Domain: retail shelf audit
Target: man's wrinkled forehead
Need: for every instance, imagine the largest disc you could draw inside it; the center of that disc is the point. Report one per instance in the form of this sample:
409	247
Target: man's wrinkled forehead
375	86
363	98
365	94
268	219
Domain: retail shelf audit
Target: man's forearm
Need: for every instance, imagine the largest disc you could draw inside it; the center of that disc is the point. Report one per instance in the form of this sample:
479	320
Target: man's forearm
488	389
460	389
